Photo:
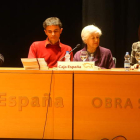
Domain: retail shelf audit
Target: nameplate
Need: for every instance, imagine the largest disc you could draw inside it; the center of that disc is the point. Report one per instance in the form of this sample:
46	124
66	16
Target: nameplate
76	65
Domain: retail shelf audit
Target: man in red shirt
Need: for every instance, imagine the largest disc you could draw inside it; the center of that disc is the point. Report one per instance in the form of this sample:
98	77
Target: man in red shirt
51	49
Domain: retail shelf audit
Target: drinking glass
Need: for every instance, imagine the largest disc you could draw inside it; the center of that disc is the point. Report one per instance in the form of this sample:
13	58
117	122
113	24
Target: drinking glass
84	55
137	56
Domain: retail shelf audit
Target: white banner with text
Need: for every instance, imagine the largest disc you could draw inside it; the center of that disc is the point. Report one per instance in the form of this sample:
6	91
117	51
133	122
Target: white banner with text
76	65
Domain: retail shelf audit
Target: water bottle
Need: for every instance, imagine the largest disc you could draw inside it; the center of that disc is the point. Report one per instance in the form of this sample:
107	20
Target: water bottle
127	61
67	56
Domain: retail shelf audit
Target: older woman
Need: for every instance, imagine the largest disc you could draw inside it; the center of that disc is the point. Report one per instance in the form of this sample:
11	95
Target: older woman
102	56
135	48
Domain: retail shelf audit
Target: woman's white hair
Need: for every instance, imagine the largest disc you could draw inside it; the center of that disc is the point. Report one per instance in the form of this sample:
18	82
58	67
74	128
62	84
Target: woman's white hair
88	30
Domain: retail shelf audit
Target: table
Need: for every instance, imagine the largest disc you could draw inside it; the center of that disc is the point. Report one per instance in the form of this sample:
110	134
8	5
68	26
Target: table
35	104
106	104
69	104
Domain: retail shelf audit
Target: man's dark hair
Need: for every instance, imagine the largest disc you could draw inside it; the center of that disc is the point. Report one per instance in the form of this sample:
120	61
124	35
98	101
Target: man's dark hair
52	21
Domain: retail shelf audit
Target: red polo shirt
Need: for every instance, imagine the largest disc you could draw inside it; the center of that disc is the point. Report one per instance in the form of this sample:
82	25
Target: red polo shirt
51	53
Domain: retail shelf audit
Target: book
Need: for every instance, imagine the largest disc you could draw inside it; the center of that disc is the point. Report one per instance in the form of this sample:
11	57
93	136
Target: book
42	64
34	63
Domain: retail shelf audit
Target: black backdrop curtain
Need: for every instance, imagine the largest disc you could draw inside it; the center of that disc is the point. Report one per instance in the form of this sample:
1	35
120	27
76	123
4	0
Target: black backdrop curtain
21	24
119	21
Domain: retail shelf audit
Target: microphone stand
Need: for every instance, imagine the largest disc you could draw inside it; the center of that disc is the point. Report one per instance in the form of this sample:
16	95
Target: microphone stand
77	46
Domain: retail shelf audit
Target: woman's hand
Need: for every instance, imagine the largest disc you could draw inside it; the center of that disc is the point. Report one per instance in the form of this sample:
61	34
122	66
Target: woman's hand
135	66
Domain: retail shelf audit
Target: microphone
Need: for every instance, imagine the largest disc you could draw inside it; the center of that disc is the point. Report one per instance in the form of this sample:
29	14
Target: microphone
77	46
1	59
